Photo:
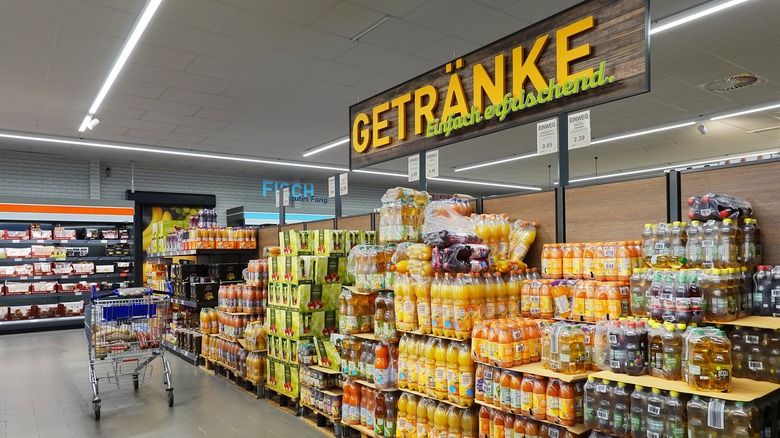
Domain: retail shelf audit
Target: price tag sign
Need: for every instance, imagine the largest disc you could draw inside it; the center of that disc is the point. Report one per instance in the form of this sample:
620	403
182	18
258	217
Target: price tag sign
343	184
332	187
286	196
547	137
432	164
414	168
277	199
579	129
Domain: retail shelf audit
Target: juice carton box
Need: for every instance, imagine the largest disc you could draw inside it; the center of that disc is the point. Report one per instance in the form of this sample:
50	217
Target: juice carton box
331	270
309	297
293	242
274	273
330	242
298	269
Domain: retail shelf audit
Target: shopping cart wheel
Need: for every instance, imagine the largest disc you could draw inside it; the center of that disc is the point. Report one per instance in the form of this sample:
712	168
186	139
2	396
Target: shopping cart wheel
170	398
96	409
135	382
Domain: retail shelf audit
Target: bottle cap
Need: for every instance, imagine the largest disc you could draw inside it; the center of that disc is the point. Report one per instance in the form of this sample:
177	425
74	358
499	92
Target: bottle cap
639	387
606	381
622	384
656	391
674	393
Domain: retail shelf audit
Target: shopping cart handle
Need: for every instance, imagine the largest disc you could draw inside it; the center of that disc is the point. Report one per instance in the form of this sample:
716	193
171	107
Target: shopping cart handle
169	289
95	296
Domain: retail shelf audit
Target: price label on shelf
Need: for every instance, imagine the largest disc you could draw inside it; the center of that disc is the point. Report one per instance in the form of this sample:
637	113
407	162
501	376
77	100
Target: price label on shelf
547	137
16	241
414	168
23	277
64	277
332	187
432	164
579	129
37	277
63	241
123	241
40	241
77	293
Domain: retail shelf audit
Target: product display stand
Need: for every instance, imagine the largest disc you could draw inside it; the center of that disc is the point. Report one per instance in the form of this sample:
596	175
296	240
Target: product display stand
316	417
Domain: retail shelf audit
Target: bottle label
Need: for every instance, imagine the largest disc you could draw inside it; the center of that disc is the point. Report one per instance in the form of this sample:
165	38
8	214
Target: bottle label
694	369
651	434
715	414
707	243
602	414
756	365
525	401
636	423
751	339
515	399
654	410
602	388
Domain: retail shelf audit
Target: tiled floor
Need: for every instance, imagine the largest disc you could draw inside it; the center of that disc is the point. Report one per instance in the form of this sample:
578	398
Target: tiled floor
45	392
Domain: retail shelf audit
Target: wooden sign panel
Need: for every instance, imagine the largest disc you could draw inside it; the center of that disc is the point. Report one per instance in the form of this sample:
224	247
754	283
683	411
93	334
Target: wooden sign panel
589	54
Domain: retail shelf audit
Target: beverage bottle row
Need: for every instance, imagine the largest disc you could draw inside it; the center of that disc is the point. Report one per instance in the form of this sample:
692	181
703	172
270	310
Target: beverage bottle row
596	301
564	348
450	305
374	362
708	360
622	411
233	326
755	353
441	369
601	261
358	405
531	396
422	417
628	347
401	215
372	267
356	312
255	367
230	354
497	424
494	231
242	298
714	418
209	321
766	291
257	273
384	317
691	296
711	244
506	343
329	404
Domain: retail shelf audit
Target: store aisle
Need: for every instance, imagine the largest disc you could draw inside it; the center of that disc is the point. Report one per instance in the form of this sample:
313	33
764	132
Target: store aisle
45	392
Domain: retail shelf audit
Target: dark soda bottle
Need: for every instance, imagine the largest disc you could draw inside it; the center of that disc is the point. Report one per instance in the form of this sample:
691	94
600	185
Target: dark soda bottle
682	302
762	291
696	295
656	308
634	362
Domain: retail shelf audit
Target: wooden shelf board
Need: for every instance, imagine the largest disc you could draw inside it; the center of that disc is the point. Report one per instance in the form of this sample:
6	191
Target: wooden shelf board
537	369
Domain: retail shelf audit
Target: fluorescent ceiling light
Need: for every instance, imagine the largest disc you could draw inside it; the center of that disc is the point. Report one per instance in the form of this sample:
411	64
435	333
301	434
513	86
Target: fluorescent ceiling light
747	111
491	163
484	183
326	146
693	14
638	133
770	128
169	152
674	166
377	172
127	49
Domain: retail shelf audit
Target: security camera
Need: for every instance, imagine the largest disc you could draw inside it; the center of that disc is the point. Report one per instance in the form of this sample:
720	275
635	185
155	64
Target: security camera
93	123
702	129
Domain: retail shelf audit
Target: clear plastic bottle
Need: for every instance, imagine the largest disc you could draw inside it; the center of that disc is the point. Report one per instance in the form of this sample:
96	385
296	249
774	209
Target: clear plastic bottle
639	412
774	307
697	417
727	253
656	420
662	246
590	403
667	296
682	302
720	362
621	417
710	244
656	360
637	287
676	419
605	409
696	295
634	357
617	348
648	245
656	300
762	291
672	351
693	247
678	239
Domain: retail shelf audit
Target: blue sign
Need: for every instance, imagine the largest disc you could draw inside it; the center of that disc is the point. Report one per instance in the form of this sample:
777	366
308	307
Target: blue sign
297	190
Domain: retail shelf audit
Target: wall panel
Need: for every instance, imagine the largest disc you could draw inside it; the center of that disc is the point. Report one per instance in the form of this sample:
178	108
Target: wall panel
362	222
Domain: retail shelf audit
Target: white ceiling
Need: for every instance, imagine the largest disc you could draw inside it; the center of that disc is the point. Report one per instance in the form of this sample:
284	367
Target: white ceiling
273	78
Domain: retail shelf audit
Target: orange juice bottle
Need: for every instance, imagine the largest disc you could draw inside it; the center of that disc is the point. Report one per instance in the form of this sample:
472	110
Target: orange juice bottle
437	315
560	295
553	400
501	296
505	345
513	295
469	423
498	424
566	407
546	307
403	402
422	418
515	394
590	301
485	422
520	427
453	389
414	373
614	300
547	260
403	361
519	344
422	289
410	305
610	261
580	295
588	261
431	408
401	290
477	339
447	306
465	375
422	379
440	423
453	422
625	261
460	304
526	394
505	393
411	417
493	334
567	253
598	262
440	354
534	299
525	298
576	264
601	302
539	408
430	367
490	297
535	340
476	297
556	262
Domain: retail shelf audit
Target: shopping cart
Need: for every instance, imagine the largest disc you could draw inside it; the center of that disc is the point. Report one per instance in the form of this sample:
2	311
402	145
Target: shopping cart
124	330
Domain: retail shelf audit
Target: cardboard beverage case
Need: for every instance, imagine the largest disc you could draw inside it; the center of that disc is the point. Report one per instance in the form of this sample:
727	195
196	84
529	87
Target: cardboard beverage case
293	242
330	242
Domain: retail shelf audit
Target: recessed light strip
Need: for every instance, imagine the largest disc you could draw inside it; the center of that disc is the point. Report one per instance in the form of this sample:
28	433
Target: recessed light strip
326	146
494	162
642	132
675	166
692	14
485	183
140	26
747	111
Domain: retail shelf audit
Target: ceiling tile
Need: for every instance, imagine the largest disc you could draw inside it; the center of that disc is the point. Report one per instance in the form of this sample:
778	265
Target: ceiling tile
202	14
261	29
402	36
140	89
78	14
438	14
228	70
162	57
19	119
395	8
137	124
92	43
447	49
296	11
220	114
23	70
344	71
204	99
157	135
172	78
24	51
387	61
176	119
210	133
28	30
348	19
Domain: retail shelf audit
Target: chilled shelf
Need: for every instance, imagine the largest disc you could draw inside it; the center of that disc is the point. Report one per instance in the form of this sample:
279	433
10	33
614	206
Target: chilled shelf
741	389
27	299
537	369
197	252
64	241
184	354
60	321
67	277
13	260
576	429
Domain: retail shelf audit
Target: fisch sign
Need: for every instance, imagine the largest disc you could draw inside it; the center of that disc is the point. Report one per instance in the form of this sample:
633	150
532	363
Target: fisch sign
592	53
